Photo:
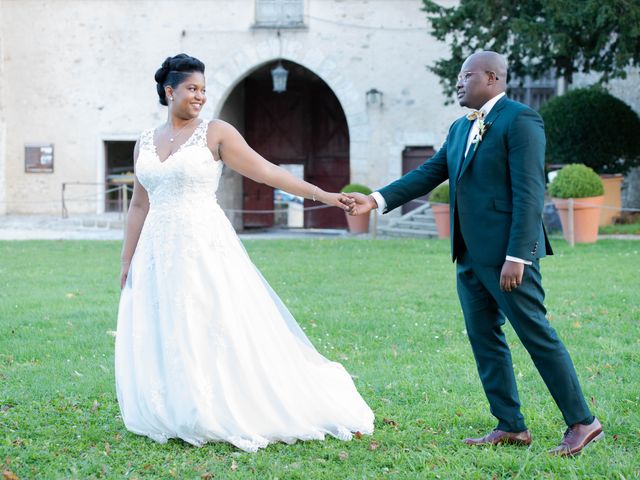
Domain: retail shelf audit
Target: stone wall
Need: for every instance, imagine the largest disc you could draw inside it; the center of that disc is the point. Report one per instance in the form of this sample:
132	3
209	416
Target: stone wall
3	205
79	73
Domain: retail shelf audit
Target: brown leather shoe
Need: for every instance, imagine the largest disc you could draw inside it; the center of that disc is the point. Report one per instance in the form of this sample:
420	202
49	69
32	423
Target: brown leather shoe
498	437
577	437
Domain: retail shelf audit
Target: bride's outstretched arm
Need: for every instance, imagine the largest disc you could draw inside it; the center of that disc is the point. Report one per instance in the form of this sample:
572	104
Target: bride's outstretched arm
138	209
238	155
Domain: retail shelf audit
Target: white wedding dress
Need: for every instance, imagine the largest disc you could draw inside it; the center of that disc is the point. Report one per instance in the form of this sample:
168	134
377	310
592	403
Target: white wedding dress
205	349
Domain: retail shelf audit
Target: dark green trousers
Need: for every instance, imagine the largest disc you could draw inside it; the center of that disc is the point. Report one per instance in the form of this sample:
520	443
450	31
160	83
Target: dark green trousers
485	307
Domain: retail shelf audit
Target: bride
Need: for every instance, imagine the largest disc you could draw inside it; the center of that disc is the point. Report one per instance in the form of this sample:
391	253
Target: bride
205	349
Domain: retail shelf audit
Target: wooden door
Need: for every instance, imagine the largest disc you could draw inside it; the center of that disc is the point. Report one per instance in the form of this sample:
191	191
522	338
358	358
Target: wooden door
304	125
328	165
412	158
275	126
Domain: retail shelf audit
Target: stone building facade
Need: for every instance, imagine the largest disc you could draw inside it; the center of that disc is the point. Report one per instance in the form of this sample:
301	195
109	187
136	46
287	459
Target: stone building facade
77	88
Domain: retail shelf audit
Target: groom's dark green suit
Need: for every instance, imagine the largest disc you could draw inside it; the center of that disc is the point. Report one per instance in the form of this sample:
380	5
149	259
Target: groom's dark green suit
496	198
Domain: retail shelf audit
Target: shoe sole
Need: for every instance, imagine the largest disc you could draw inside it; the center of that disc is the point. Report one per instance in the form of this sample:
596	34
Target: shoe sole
598	437
515	443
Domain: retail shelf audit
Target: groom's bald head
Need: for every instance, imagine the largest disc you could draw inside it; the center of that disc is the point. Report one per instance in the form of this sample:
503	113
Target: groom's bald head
491	62
483	76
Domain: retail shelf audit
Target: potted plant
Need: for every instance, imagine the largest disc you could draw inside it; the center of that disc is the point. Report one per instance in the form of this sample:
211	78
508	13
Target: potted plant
581	185
360	223
439	200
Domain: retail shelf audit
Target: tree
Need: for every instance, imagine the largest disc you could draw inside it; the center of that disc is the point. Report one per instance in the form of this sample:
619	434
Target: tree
591	126
536	36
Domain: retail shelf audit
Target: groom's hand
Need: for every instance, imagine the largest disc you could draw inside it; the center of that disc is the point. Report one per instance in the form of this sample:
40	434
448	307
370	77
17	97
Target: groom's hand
511	275
362	204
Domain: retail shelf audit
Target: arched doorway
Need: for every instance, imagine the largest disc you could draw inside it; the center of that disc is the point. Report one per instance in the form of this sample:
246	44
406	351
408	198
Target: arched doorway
304	126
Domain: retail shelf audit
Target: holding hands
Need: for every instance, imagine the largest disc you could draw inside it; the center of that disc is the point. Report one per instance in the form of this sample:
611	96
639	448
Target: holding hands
358	203
340	200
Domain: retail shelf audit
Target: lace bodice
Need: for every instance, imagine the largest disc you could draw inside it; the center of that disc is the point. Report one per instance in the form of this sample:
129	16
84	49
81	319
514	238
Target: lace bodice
188	176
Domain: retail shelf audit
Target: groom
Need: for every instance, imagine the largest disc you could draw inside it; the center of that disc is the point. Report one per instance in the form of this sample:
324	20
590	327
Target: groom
494	161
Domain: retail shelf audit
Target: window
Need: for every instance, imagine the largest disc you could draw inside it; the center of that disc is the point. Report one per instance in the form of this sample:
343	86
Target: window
280	13
38	158
533	92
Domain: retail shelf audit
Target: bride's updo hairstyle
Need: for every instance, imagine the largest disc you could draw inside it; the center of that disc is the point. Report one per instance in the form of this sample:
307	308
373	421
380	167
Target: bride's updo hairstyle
173	72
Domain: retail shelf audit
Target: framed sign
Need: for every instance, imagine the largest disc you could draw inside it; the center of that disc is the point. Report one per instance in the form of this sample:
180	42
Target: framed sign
38	158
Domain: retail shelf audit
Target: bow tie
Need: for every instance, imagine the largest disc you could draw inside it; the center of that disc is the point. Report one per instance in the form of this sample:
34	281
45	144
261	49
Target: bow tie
476	114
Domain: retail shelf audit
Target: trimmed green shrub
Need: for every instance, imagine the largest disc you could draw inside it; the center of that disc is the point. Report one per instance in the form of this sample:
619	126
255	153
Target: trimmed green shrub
591	126
356	187
440	194
576	181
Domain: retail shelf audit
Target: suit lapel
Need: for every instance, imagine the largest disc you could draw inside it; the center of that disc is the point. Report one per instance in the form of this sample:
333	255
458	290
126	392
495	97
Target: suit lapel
463	143
493	114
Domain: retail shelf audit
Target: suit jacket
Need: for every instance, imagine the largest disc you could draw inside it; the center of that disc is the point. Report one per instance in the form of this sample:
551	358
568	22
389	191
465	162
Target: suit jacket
496	192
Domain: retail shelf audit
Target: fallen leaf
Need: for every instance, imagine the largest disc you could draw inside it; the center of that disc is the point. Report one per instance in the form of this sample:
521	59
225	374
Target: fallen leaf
9	475
394	350
343	455
391	422
358	435
18	442
107	449
576	324
593	400
615	437
206	476
374	445
234	465
95	406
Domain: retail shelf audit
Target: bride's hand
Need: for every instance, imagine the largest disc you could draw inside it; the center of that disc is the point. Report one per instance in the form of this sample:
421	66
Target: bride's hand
124	273
339	200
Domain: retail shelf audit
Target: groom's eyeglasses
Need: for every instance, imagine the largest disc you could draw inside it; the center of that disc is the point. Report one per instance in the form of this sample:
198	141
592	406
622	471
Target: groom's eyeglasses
465	76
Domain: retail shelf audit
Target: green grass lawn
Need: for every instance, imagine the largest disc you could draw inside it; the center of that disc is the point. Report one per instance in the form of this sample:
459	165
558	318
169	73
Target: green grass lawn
624	229
387	310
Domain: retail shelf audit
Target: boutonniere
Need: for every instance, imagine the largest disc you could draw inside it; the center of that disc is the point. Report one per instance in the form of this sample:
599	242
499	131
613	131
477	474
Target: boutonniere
482	129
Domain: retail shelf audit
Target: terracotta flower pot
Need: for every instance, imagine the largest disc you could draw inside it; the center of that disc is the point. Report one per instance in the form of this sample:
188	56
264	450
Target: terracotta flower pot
612	198
586	217
441	214
358	224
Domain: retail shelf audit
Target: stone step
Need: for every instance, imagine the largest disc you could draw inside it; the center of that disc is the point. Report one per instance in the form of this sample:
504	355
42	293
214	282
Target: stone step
424	217
407	232
422	225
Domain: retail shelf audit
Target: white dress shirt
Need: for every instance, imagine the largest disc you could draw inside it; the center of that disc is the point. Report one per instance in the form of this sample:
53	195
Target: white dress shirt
486	108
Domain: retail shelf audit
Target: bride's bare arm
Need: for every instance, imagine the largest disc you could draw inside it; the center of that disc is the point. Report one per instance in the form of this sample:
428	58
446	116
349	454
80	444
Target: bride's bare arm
138	209
238	155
